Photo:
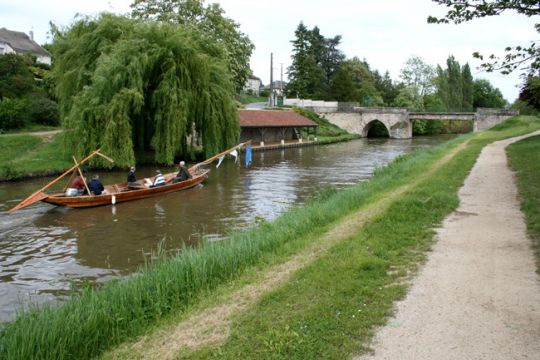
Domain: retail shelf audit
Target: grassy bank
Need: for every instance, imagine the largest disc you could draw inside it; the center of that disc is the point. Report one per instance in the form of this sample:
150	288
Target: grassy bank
25	155
524	158
352	278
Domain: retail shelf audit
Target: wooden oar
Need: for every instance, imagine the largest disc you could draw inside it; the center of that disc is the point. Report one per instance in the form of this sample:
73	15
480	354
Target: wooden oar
40	195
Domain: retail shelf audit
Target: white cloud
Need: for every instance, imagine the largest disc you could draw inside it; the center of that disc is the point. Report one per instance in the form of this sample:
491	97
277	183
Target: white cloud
384	32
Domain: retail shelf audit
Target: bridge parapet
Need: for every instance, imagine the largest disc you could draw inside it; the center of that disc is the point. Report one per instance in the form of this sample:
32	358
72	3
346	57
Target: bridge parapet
487	118
442	116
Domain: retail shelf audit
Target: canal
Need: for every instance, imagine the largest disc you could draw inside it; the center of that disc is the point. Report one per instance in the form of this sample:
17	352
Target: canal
46	250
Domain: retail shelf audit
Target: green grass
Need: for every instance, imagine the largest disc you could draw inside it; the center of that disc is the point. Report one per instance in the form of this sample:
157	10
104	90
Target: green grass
95	321
524	158
24	155
248	99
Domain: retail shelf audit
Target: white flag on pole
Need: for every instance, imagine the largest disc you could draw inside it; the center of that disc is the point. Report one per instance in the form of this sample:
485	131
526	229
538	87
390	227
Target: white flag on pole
220	160
235	154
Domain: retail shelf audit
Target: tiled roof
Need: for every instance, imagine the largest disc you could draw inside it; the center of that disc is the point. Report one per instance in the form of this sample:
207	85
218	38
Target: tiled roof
273	118
21	43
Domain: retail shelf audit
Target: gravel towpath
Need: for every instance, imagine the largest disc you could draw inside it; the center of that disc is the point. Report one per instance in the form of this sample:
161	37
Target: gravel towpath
477	296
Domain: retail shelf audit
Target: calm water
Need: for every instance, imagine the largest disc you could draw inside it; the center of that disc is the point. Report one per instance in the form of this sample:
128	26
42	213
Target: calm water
44	250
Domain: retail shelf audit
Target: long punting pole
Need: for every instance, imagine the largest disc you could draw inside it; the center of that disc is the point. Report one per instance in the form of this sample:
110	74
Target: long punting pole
82	176
40	195
209	160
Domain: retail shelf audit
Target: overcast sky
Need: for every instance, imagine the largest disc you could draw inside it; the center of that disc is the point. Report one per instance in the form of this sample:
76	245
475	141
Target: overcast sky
384	32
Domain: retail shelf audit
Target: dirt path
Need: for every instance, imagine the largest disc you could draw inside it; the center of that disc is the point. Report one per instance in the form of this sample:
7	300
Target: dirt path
478	296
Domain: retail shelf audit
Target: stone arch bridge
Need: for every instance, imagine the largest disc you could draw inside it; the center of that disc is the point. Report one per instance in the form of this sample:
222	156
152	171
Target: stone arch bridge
398	121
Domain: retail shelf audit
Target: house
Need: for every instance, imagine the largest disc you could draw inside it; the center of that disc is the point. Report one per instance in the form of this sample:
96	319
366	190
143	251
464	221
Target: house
253	85
277	85
274	126
15	42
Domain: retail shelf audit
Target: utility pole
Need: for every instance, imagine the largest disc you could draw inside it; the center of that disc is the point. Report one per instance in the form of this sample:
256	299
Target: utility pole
271	98
281	84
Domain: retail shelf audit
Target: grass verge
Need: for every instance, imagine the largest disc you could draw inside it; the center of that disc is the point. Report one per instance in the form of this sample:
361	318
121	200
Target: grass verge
94	321
524	159
27	155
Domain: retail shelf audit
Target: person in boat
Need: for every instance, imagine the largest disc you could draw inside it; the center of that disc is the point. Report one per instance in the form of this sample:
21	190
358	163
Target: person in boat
159	180
131	178
78	184
95	186
183	173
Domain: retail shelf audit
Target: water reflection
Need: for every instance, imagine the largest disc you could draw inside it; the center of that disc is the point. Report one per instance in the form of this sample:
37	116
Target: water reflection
44	248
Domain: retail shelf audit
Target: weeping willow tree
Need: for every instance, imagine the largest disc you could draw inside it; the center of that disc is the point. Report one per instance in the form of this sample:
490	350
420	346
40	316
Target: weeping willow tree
128	86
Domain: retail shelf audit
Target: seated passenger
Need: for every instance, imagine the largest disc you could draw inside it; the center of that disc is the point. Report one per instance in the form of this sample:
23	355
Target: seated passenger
159	180
131	178
95	186
183	173
78	184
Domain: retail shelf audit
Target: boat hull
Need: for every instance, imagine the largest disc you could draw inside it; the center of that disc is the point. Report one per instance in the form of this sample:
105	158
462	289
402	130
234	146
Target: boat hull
115	196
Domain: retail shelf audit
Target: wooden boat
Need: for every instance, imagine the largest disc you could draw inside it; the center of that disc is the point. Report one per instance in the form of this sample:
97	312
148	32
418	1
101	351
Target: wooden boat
118	192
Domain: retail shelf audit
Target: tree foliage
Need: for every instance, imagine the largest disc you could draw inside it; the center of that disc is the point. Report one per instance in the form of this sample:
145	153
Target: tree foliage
487	96
210	21
358	76
16	79
530	92
524	57
315	63
125	85
419	75
454	86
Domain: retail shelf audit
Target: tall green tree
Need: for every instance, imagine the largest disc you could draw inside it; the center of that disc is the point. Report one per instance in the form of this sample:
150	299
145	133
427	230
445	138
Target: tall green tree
455	90
304	74
362	80
467	88
530	92
486	95
210	21
516	56
126	85
315	62
418	75
386	87
441	84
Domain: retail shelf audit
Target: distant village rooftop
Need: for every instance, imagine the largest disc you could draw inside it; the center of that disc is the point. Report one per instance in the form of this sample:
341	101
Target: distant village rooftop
16	42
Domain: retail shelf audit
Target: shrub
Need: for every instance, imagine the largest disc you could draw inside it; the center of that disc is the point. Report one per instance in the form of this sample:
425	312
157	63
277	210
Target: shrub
44	111
14	113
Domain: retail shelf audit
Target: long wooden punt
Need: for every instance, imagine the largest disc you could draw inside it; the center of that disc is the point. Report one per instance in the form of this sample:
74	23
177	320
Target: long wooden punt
121	192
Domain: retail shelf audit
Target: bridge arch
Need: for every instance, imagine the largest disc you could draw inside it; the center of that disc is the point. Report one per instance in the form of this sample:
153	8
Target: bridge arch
375	129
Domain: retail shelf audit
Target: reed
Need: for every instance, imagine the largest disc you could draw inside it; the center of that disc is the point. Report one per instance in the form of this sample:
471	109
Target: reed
95	320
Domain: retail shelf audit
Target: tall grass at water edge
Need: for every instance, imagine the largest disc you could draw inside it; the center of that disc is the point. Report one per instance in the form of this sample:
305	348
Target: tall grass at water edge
93	321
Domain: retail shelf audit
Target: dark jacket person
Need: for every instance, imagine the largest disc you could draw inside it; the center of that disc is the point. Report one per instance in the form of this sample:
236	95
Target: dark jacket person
95	185
183	173
131	178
